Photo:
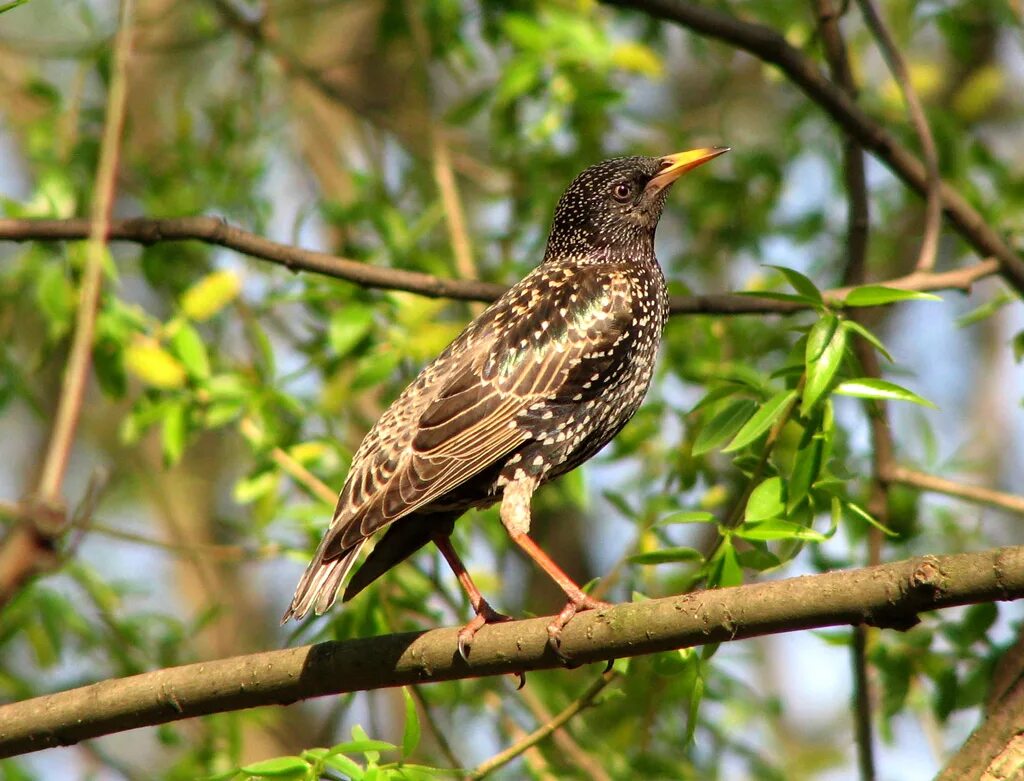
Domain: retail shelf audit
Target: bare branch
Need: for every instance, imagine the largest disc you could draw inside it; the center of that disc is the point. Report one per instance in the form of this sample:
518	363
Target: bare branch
942	485
29	546
770	46
933	202
889	595
214	231
584	700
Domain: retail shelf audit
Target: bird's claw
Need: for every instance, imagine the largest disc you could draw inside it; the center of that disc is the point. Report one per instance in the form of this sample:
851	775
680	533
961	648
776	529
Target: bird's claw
522	679
485	615
572	607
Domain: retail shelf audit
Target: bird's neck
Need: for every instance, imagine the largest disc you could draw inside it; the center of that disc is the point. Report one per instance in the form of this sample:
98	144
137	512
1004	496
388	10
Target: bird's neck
636	253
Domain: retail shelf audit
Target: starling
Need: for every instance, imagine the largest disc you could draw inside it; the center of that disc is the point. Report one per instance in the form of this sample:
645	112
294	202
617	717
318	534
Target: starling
532	388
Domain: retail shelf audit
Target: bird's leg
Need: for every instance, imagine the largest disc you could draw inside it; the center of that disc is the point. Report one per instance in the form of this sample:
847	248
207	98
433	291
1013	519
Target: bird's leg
485	614
515	515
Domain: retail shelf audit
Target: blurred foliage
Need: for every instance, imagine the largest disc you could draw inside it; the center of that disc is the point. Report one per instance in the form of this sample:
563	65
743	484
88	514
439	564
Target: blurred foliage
223	384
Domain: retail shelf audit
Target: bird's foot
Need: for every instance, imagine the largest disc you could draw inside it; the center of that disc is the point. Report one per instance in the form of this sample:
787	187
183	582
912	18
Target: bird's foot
485	614
575	605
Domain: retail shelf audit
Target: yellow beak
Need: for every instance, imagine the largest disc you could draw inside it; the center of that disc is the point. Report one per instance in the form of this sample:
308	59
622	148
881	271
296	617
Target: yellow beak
674	166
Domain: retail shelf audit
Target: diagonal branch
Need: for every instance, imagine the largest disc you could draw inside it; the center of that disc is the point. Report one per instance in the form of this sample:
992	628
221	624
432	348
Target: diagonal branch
770	46
933	204
212	230
889	595
502	758
28	548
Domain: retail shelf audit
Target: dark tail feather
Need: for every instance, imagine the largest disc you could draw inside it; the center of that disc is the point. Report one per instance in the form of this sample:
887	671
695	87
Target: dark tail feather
402	539
319	585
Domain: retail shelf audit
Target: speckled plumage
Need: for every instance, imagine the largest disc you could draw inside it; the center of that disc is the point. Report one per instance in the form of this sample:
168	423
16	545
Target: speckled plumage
532	388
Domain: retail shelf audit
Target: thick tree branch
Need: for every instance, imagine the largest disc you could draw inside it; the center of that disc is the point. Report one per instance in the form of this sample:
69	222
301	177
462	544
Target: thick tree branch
770	46
889	595
212	230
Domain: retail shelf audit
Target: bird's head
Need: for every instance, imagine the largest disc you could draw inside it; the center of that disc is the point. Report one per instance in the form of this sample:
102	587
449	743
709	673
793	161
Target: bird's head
616	204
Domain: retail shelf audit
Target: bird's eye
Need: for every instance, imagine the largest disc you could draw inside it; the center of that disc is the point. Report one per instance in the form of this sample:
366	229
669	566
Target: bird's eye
622	192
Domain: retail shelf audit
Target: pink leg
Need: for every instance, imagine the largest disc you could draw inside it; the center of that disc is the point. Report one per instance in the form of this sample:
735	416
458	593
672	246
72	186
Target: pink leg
485	614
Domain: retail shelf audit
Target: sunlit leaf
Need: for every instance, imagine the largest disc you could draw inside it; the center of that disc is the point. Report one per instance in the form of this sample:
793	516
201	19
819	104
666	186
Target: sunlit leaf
872	388
210	295
878	295
152	364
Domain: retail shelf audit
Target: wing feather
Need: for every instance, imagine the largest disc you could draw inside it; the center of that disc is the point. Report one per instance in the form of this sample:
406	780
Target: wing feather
538	346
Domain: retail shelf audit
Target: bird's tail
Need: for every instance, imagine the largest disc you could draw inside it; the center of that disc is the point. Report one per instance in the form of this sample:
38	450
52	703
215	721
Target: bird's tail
319	585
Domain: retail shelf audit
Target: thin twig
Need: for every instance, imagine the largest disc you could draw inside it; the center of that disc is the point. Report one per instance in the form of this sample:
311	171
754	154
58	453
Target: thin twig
29	547
444	174
532	756
974	493
314	484
219	552
579	758
933	197
214	231
76	374
535	737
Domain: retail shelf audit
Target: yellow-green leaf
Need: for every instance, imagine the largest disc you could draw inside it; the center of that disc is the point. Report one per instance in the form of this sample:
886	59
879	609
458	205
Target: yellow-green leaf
152	364
637	58
210	295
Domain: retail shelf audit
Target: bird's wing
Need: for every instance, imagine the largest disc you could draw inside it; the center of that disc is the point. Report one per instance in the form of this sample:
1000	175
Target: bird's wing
547	344
544	341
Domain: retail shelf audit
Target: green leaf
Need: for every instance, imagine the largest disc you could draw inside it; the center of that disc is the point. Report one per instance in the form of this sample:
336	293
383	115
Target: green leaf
863	514
800	283
696	516
806	468
667	556
411	733
1017	343
55	298
777	529
874	341
348	326
871	388
877	295
352	769
174	432
11	5
249	489
986	310
693	709
361	746
772	295
767	500
819	336
758	559
191	350
822	370
762	420
722	426
725	568
279	767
